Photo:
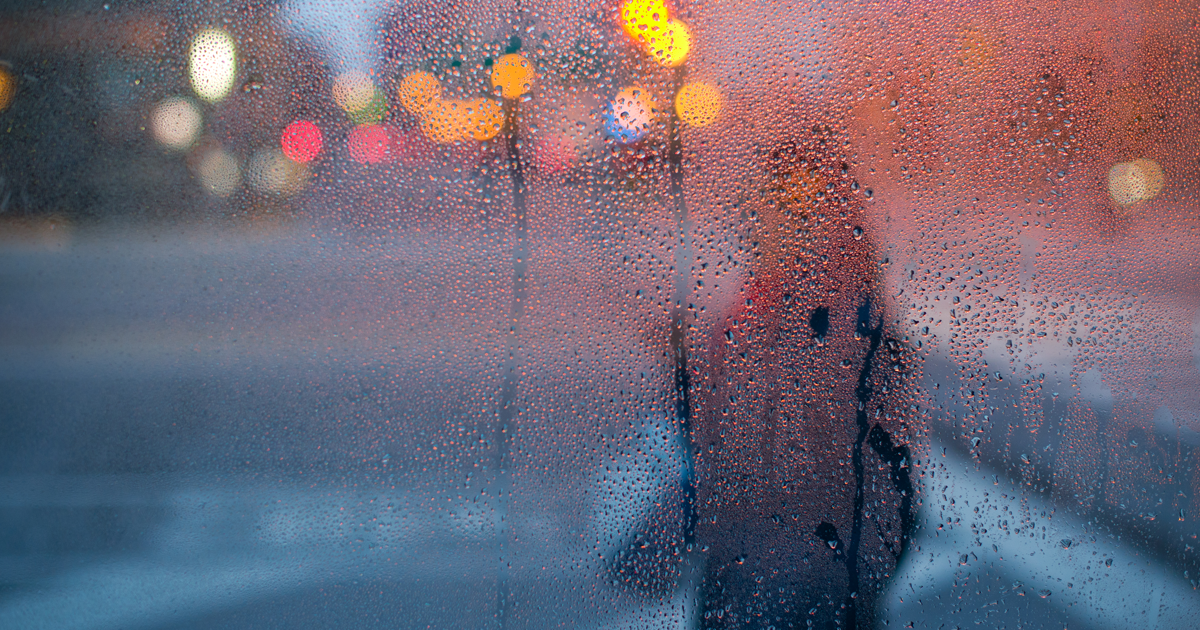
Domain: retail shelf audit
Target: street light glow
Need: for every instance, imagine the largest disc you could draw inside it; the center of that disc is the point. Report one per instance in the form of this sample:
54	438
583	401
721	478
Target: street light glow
175	123
418	90
628	116
672	46
8	88
644	19
1131	182
513	74
212	64
698	104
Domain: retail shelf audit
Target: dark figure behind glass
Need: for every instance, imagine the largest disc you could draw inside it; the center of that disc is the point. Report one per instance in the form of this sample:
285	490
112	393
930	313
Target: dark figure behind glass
802	399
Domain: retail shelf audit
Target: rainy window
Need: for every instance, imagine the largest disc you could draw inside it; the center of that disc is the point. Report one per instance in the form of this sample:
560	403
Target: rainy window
623	314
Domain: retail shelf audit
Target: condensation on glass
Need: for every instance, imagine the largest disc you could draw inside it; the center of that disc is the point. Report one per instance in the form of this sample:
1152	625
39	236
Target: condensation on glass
641	314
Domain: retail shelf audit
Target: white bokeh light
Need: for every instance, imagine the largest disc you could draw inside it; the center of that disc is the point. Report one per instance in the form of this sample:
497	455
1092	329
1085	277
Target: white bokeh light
271	171
212	64
219	172
175	123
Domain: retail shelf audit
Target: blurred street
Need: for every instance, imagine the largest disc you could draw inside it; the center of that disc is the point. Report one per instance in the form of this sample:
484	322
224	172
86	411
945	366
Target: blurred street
186	446
626	315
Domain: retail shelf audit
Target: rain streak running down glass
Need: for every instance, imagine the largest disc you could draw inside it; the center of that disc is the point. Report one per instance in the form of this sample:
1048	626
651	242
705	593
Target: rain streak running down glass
631	314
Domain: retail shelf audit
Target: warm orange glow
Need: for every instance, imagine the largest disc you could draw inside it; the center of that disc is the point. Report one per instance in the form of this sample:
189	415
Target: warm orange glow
418	90
8	88
799	186
487	118
977	49
698	104
448	121
513	74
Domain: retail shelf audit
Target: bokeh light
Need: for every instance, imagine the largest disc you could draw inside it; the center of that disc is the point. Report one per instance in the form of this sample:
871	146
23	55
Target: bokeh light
353	91
513	74
357	95
644	19
450	121
212	64
487	118
301	141
219	172
8	88
627	118
175	123
271	171
671	47
418	90
447	121
368	144
699	104
1131	182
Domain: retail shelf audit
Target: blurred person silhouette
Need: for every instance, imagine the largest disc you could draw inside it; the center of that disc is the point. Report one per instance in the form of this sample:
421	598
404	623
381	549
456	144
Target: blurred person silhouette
802	395
795	401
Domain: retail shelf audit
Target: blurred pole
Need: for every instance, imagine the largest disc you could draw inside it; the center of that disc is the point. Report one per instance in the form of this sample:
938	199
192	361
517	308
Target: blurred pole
678	347
508	391
863	394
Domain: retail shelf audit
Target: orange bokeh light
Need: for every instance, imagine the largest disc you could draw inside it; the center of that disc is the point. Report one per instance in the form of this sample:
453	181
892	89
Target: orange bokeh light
8	88
513	74
418	90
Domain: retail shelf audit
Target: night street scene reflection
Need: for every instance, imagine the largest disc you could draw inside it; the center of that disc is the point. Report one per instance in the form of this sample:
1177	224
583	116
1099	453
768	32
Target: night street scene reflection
618	315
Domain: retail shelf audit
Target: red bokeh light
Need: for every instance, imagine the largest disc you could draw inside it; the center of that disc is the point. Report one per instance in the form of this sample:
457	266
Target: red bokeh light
369	144
301	141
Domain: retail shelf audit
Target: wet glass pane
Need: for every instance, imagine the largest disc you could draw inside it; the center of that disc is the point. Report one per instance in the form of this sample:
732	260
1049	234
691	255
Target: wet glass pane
641	314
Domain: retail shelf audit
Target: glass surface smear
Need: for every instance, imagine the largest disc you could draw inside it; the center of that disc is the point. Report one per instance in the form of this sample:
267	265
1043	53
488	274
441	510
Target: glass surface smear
640	314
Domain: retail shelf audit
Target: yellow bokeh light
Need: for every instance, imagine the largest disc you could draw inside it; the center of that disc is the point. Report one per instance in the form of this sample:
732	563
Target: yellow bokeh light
513	74
357	95
418	90
699	104
644	19
8	88
212	64
487	118
1131	182
671	47
353	91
